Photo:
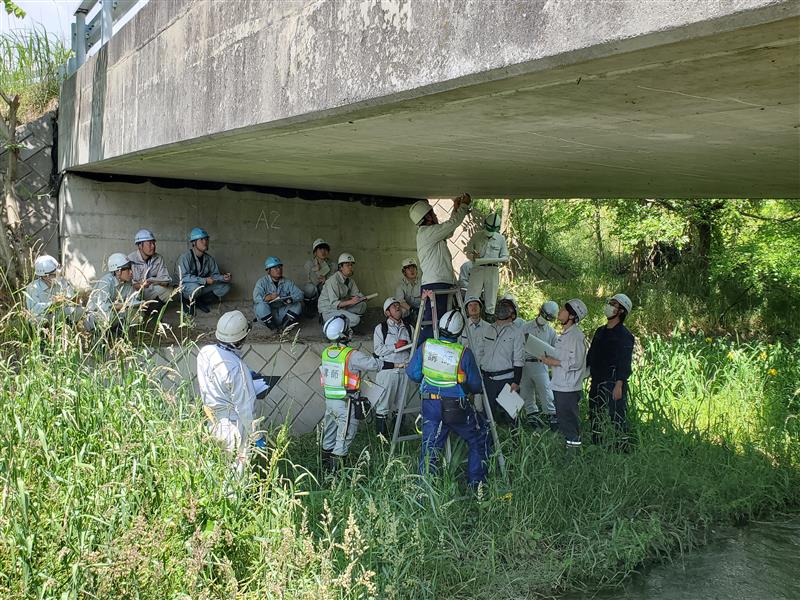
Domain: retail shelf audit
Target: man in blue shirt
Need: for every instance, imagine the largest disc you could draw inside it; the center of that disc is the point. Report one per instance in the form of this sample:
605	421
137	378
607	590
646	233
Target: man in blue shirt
448	372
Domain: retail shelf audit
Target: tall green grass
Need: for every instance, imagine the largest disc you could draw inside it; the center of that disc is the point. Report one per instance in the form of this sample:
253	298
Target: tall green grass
110	487
30	63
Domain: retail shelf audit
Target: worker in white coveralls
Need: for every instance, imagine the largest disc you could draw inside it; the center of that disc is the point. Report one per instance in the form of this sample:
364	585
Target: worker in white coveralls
504	356
226	388
391	343
434	255
340	376
408	291
487	245
477	330
199	277
49	295
277	301
340	294
318	269
150	274
535	388
113	302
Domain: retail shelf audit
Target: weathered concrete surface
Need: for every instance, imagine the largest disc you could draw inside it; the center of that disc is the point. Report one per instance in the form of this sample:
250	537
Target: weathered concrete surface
528	98
98	218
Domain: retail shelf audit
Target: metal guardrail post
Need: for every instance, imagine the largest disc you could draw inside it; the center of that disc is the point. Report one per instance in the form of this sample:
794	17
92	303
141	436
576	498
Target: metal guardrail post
79	36
107	21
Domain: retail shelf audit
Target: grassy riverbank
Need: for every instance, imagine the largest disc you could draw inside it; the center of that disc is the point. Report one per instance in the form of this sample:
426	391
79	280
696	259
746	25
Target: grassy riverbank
110	487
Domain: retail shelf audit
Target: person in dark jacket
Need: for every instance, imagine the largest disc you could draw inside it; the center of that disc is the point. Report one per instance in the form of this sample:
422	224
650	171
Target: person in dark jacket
609	361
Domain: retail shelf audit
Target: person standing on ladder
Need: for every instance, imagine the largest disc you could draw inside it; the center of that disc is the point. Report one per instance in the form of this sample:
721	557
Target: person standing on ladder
340	376
435	259
487	244
448	373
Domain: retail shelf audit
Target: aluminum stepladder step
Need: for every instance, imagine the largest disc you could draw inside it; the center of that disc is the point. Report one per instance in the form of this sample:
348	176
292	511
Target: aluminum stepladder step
403	409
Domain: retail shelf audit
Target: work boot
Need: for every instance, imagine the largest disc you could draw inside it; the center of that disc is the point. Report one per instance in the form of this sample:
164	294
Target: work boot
290	319
328	463
535	422
380	425
203	307
270	323
553	424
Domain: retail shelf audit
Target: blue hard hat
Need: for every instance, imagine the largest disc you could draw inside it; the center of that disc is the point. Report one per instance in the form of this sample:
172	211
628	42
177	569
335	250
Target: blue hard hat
272	261
197	233
143	235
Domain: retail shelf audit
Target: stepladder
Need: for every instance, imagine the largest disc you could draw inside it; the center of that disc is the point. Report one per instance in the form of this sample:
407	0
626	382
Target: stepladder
407	405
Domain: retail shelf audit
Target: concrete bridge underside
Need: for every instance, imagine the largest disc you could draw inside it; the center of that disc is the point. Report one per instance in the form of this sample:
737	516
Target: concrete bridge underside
620	102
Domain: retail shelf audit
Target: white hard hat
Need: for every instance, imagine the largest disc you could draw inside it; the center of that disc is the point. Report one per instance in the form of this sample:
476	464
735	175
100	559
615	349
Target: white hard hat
232	327
624	301
344	257
493	222
418	211
511	299
388	302
550	310
319	242
44	265
407	262
579	308
144	235
451	324
336	328
469	299
116	261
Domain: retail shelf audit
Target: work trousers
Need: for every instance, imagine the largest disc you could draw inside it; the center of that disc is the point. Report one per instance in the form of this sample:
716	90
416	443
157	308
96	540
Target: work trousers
604	409
353	314
474	432
426	332
339	427
278	311
569	415
203	293
535	389
485	280
157	292
395	384
493	389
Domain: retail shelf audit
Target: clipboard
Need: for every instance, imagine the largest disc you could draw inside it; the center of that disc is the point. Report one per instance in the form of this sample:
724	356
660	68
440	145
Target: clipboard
536	347
374	391
510	401
490	261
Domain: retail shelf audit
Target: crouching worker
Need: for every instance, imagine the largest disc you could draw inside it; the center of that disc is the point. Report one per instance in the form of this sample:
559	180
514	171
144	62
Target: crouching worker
226	388
277	301
448	373
340	375
200	280
50	296
113	303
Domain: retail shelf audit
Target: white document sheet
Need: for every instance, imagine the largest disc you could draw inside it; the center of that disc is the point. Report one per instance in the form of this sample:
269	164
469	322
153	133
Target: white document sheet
510	401
537	347
372	390
260	386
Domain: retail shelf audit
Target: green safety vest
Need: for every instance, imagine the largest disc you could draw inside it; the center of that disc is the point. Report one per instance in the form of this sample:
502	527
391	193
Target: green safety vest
335	374
440	363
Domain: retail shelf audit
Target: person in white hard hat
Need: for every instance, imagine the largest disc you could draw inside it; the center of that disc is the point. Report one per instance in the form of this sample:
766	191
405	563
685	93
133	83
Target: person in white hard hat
340	376
318	269
486	245
150	275
609	360
569	364
113	301
448	373
226	388
477	330
49	290
340	294
535	387
277	301
408	291
504	356
200	280
463	277
435	259
391	342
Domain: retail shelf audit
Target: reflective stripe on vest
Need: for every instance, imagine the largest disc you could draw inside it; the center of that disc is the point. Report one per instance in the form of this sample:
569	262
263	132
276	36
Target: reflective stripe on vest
335	375
440	363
